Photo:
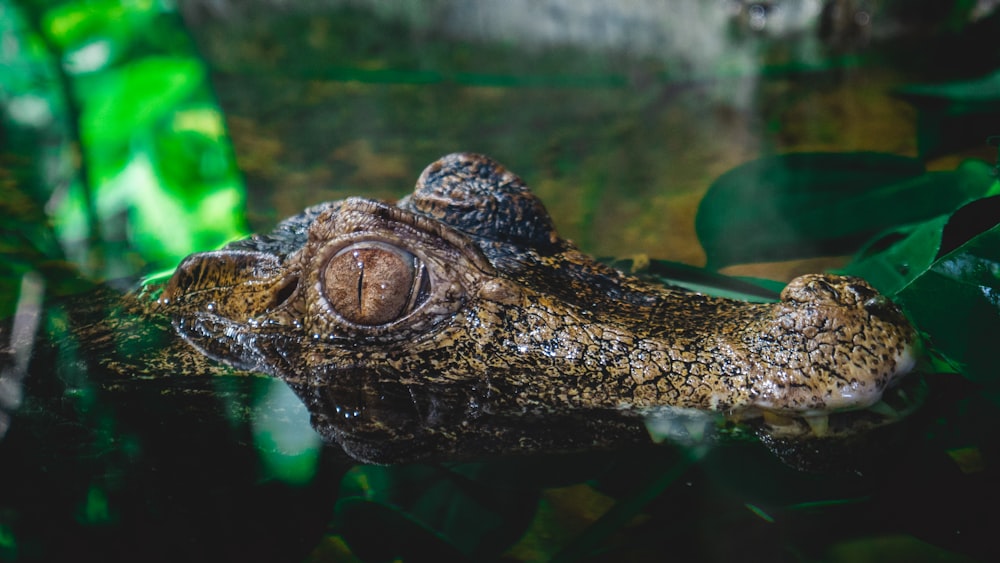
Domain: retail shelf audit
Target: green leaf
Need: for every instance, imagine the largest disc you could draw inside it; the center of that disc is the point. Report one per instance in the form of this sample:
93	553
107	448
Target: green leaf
956	302
431	511
72	23
946	275
897	265
994	189
93	35
131	98
190	160
984	90
164	231
815	204
918	246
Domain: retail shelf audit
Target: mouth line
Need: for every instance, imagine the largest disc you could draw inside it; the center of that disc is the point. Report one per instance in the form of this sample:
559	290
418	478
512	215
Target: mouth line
695	426
896	403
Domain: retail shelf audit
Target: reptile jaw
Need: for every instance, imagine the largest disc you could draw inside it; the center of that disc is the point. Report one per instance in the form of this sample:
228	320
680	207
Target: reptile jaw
895	404
696	426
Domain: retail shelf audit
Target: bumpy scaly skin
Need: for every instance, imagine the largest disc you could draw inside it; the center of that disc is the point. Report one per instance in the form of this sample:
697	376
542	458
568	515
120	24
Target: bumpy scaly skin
519	320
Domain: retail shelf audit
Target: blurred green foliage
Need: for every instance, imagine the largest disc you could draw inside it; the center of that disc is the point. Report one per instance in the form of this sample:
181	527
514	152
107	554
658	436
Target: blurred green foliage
951	113
464	511
157	178
821	204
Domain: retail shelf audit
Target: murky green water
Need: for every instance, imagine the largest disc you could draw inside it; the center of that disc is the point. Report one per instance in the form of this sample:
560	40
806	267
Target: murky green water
621	149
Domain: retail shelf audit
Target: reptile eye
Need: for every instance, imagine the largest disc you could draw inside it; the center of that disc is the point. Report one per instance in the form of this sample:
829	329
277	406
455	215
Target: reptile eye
372	283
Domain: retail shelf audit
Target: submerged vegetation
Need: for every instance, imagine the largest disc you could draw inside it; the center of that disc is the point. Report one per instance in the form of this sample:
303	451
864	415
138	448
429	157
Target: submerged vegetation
117	161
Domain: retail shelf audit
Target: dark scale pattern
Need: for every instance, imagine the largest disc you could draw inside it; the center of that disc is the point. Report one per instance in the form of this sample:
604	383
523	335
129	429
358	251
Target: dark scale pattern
480	197
517	322
288	236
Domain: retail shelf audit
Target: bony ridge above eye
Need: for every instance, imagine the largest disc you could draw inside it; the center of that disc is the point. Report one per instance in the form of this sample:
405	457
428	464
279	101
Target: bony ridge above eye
373	283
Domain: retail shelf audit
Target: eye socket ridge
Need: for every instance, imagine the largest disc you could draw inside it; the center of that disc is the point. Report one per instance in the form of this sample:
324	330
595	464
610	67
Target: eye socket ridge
373	283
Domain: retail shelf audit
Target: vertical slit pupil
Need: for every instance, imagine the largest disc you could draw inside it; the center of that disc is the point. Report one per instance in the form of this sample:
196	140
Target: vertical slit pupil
373	283
361	278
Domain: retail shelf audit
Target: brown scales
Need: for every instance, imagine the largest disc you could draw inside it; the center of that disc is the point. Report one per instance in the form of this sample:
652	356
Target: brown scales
486	298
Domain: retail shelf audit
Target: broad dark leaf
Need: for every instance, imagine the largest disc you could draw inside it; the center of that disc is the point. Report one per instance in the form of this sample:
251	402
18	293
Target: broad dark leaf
919	246
437	511
984	90
957	303
890	269
815	204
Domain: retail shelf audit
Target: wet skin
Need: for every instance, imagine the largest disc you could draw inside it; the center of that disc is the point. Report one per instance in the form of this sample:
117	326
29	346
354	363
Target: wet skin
460	303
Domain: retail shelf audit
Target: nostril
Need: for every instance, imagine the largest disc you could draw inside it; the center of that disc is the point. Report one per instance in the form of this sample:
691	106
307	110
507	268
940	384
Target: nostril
875	303
283	293
880	306
823	288
864	293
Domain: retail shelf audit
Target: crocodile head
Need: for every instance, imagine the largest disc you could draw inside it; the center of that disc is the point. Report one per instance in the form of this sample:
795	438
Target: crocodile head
460	306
